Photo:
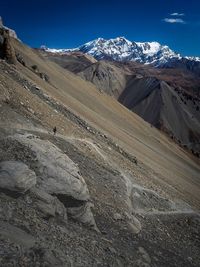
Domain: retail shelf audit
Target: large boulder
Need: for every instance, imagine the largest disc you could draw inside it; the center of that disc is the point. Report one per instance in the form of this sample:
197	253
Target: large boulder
56	173
16	176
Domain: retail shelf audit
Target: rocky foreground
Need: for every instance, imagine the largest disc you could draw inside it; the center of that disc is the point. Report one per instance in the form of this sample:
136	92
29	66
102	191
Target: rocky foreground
64	203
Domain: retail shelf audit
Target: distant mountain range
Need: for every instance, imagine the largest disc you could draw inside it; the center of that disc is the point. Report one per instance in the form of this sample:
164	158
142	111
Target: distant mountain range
123	50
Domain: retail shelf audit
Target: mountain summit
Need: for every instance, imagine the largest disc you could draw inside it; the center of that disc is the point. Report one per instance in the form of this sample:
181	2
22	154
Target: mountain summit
121	49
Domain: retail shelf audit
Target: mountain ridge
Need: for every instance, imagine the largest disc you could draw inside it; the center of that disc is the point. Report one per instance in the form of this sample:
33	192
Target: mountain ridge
121	49
131	81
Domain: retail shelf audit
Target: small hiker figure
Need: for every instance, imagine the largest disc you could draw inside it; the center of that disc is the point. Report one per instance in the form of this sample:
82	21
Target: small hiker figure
54	130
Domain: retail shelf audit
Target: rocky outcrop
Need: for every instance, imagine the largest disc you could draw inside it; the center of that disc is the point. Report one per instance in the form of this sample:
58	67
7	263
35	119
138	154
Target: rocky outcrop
57	177
48	205
1	22
146	200
42	75
57	173
11	32
7	51
16	176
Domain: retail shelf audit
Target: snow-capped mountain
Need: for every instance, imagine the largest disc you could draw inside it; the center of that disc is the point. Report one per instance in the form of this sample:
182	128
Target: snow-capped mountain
121	49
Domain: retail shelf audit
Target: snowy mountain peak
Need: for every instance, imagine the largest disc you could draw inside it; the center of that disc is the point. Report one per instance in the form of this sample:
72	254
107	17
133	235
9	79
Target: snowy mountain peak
121	49
149	47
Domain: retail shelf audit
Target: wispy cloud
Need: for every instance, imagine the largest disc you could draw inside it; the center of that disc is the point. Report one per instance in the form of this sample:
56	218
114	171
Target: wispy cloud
172	20
177	14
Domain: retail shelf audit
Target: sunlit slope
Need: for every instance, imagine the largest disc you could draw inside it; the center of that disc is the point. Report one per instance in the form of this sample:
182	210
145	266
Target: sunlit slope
127	129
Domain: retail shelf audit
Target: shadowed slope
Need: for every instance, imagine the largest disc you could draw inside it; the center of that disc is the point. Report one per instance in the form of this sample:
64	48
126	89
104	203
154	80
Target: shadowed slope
106	76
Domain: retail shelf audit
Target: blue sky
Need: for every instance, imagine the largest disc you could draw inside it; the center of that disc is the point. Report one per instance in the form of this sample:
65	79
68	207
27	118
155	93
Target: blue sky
67	24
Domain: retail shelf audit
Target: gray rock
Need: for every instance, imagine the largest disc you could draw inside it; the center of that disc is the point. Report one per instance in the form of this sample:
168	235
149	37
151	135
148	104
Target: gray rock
57	175
134	226
147	200
16	235
48	205
112	250
117	217
144	258
16	176
83	214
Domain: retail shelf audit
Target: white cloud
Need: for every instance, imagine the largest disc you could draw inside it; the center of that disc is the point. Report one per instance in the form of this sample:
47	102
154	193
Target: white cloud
177	14
170	20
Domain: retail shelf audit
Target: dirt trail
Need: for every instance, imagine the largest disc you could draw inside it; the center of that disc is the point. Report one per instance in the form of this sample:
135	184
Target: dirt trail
128	180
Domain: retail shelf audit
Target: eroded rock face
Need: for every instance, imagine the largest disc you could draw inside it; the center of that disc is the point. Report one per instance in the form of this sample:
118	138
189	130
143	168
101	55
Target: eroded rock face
56	173
16	176
48	205
1	22
146	200
7	51
57	176
82	214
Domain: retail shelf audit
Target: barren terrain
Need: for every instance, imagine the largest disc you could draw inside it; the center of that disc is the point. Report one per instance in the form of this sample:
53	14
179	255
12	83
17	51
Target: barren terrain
139	192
